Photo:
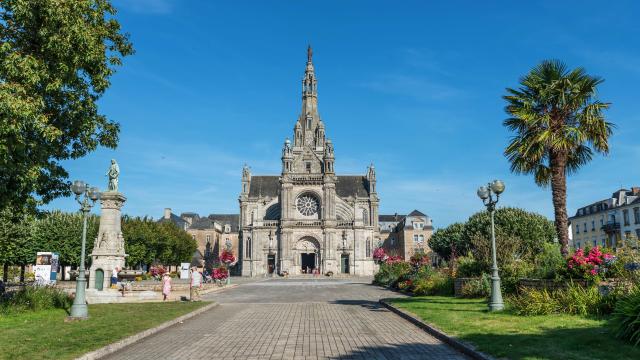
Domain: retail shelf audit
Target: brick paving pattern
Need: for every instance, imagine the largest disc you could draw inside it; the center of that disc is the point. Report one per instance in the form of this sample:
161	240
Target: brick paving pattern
338	328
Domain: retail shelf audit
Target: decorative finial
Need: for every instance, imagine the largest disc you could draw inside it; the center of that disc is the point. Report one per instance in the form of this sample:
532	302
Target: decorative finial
309	53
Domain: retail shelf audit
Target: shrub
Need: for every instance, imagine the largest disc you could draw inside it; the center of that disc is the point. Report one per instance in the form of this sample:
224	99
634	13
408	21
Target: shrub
35	299
512	272
392	272
626	317
477	288
549	262
575	300
468	266
438	283
534	302
591	266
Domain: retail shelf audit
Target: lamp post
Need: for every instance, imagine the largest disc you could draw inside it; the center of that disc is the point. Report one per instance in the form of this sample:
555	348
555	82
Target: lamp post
79	308
490	195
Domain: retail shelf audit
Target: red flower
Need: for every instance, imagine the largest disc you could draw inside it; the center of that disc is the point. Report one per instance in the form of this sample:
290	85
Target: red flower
227	257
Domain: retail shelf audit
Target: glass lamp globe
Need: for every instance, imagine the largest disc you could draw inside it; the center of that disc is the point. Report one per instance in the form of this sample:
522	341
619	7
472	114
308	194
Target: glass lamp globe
483	192
497	186
94	193
78	187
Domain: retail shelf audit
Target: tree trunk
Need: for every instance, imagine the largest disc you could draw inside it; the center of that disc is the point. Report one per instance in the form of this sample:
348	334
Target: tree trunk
5	273
558	163
22	268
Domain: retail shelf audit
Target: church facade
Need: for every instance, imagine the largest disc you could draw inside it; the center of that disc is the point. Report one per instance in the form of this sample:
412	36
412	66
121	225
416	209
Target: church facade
308	218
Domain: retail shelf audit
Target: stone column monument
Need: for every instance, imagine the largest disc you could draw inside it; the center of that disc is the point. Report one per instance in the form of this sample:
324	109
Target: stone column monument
108	250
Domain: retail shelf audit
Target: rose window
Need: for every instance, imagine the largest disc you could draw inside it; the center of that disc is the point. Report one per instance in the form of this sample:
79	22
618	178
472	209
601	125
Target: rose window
307	205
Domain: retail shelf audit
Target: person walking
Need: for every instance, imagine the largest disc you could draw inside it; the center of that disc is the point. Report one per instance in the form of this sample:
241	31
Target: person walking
114	277
195	284
166	286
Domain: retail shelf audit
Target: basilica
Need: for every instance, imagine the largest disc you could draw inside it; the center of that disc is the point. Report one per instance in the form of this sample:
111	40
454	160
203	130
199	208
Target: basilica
307	219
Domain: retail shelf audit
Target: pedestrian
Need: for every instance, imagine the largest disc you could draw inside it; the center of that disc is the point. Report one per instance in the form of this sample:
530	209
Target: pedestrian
166	286
195	284
114	277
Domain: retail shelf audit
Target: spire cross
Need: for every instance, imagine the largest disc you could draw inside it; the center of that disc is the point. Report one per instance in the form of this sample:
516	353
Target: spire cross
309	53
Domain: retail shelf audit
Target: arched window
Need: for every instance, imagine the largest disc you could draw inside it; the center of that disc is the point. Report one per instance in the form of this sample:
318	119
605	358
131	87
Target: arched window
365	217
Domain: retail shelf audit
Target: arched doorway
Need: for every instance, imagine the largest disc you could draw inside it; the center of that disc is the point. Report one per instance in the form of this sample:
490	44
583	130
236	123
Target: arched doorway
99	279
308	252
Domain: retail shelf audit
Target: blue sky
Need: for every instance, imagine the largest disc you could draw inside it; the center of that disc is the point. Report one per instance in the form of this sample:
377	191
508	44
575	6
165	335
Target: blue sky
414	87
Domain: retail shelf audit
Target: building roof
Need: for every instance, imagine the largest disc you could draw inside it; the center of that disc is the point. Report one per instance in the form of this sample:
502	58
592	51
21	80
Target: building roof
349	185
231	219
264	186
416	213
202	223
177	220
391	218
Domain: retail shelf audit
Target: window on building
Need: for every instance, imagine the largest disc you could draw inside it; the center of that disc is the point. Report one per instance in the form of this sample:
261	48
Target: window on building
308	166
415	238
418	225
585	227
604	242
392	241
593	225
578	245
602	220
612	218
595	243
208	238
248	248
420	238
625	216
636	215
577	229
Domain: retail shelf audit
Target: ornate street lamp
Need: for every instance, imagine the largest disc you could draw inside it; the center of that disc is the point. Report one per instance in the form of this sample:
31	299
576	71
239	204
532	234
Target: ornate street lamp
79	308
490	195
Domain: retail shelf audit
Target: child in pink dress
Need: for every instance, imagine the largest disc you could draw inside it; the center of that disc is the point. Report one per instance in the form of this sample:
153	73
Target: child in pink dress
166	286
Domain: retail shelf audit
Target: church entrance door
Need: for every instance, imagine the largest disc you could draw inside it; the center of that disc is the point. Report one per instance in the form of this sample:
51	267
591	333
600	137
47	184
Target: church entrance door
344	263
271	264
307	262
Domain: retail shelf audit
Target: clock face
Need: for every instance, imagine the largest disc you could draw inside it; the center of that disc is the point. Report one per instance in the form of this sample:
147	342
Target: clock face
307	205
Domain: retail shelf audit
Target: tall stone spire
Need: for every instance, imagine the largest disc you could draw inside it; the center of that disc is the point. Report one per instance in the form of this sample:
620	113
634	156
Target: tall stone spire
309	116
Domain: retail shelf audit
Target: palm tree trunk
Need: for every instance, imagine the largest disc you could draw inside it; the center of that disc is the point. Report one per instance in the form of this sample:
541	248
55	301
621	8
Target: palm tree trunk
558	163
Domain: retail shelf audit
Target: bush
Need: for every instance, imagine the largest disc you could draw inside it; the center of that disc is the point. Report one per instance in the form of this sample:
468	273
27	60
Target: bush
626	317
390	273
512	272
549	263
477	288
574	300
438	283
468	266
35	299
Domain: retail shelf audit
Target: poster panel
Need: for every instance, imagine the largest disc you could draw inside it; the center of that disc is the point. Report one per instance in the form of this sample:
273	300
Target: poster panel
184	270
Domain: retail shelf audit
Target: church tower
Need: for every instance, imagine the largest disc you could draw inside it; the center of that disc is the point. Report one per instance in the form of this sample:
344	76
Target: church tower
308	218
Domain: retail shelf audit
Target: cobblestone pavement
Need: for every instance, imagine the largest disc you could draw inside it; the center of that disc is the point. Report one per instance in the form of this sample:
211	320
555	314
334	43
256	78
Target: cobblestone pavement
294	319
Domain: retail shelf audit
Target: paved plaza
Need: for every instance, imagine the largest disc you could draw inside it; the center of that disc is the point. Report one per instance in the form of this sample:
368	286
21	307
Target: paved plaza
294	319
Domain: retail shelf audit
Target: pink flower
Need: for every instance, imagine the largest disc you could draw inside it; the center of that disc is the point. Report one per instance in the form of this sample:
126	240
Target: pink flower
594	272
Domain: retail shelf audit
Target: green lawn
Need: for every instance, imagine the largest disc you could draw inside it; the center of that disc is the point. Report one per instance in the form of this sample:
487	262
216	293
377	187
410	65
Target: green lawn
45	335
505	335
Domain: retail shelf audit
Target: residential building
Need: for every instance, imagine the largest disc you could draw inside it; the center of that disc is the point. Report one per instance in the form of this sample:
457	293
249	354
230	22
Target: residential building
606	222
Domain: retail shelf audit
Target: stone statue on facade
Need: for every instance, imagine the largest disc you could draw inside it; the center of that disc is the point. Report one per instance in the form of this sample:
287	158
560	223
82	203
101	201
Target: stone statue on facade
113	173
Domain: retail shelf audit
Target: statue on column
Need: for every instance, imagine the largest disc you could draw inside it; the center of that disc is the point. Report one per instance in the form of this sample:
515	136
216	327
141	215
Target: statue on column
113	173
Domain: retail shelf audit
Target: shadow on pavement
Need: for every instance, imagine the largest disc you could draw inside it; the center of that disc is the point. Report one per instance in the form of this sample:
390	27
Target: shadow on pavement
368	304
408	351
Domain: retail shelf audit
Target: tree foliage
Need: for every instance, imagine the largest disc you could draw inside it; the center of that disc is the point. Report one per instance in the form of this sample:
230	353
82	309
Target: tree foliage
57	60
61	232
519	234
558	124
146	241
447	240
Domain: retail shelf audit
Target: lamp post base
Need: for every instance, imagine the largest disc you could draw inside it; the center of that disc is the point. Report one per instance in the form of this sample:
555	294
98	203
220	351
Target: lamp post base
496	303
79	308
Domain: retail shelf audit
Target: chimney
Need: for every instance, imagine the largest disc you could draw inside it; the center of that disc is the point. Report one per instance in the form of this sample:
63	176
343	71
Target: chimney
167	213
635	191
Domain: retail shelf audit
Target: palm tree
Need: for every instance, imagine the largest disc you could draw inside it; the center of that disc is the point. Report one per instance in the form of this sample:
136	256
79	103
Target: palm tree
558	123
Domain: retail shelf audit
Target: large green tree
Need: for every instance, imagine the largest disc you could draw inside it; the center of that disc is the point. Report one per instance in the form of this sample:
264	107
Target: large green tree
447	241
16	245
56	61
558	124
